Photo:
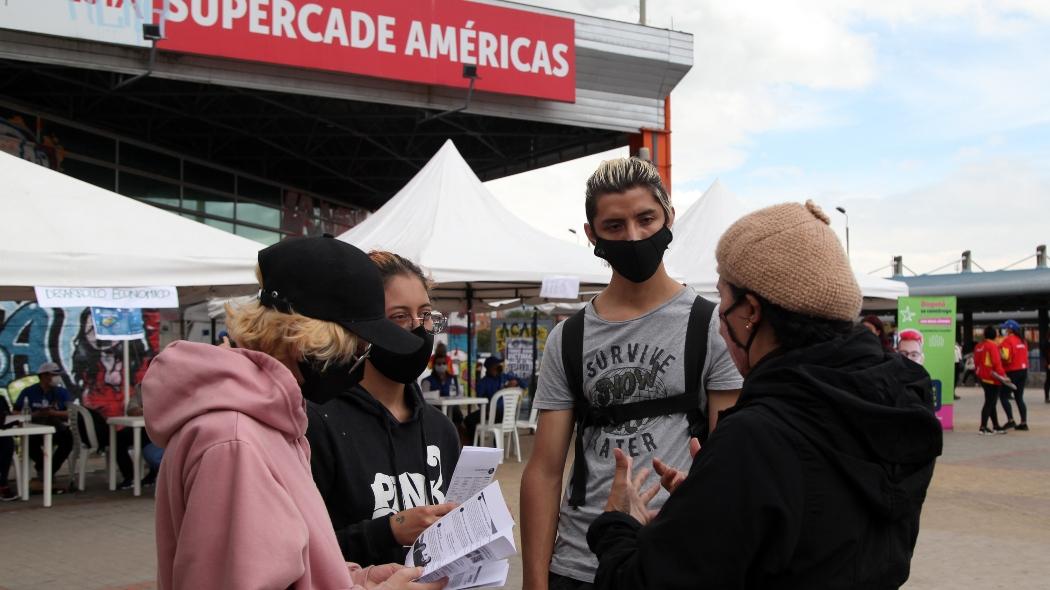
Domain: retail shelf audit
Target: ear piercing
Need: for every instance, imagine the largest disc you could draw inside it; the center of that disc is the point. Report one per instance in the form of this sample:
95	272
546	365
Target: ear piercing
747	326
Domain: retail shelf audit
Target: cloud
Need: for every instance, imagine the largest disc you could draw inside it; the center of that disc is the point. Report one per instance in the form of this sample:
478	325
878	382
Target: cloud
951	82
998	209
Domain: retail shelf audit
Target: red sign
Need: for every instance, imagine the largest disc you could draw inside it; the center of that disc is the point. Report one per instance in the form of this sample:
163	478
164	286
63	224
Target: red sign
423	41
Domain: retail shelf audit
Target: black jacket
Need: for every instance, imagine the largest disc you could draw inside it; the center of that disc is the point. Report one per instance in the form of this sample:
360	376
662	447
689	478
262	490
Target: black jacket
815	479
357	446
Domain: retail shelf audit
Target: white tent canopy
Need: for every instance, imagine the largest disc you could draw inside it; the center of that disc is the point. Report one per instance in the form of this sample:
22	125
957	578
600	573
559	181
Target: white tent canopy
449	223
691	255
60	231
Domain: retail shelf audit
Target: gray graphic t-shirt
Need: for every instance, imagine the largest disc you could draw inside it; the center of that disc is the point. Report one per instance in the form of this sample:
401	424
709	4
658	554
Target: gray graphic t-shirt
627	362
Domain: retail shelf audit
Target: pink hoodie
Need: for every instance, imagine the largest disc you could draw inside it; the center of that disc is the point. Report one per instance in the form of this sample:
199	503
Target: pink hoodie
236	504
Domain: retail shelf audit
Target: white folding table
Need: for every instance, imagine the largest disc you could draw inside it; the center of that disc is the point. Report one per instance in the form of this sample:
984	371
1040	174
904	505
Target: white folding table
25	432
137	423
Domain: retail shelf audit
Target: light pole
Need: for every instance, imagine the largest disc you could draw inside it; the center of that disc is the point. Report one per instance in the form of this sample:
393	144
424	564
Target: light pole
842	210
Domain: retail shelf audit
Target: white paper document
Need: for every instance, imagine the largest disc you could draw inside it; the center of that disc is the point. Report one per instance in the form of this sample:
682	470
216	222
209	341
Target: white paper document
469	545
475	469
492	574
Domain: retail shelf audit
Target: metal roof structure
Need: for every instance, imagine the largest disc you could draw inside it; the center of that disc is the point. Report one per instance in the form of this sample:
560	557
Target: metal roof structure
350	138
1002	290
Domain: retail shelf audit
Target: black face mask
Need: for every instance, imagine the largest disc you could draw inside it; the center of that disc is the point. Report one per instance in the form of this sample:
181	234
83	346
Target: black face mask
320	385
404	368
732	335
635	260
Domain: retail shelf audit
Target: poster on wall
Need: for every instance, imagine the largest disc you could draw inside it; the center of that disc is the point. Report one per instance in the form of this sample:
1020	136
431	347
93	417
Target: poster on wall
117	323
518	357
934	319
92	368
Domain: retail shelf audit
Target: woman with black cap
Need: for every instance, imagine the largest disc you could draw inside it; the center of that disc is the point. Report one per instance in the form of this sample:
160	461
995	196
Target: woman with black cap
816	477
382	457
236	506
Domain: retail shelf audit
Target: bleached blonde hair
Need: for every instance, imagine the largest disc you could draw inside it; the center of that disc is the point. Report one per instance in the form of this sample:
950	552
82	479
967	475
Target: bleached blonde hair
288	335
621	175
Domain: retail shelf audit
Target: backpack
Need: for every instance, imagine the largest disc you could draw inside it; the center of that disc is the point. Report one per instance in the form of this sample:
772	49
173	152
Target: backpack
588	415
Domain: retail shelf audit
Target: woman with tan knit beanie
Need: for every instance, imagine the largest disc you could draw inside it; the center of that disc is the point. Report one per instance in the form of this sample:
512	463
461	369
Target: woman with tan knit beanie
815	479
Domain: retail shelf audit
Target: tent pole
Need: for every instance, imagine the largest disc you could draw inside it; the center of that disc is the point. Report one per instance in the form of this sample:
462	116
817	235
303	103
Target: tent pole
535	349
470	339
127	375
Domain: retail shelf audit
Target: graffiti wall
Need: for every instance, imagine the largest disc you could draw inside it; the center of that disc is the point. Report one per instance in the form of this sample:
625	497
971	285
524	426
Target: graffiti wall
92	369
21	141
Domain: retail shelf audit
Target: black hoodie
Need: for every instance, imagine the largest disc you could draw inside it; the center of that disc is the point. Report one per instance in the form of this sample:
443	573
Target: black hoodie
815	479
357	446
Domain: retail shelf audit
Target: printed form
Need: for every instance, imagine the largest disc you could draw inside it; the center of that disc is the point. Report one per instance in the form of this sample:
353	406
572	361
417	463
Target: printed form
475	469
469	545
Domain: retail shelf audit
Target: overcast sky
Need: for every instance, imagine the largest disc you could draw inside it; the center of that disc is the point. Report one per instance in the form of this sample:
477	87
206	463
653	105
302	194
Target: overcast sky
928	120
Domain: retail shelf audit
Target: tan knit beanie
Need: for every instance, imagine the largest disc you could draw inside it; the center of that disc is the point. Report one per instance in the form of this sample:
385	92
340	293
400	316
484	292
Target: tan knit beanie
790	256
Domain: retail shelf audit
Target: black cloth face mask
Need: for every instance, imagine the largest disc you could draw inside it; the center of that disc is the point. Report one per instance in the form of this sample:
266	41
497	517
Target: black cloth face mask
635	260
404	368
320	385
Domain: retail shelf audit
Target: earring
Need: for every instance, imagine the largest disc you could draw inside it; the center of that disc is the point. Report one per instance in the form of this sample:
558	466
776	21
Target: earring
747	326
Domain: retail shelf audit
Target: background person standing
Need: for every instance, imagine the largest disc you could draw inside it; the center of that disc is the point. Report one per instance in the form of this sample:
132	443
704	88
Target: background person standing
987	363
1015	362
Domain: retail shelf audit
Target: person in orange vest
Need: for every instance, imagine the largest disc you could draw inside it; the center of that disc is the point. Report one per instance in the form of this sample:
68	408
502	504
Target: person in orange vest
441	357
1015	361
988	365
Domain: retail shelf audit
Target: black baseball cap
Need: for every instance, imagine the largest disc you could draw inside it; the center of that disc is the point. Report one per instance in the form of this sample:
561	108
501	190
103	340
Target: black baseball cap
327	279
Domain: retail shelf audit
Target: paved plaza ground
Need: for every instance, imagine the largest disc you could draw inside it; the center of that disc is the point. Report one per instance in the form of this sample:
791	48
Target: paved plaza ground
986	522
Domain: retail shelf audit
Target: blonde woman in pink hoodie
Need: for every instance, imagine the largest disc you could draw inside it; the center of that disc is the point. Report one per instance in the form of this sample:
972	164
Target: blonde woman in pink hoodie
236	504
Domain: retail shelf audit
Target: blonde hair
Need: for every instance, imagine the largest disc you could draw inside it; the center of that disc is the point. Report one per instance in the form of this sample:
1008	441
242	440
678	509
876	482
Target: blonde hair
288	335
621	175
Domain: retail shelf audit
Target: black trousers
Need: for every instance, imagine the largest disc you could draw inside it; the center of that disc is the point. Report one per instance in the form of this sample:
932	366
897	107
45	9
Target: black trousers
1004	400
1019	379
991	395
63	441
125	442
7	451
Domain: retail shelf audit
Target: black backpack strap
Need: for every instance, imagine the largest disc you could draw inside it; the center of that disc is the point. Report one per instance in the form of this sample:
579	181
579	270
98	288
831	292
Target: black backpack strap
695	357
586	415
572	361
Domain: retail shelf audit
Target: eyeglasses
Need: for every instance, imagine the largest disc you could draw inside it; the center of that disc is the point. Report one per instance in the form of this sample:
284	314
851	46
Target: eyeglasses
433	322
913	355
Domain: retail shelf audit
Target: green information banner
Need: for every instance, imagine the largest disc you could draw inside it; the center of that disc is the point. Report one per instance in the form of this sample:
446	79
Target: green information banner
934	319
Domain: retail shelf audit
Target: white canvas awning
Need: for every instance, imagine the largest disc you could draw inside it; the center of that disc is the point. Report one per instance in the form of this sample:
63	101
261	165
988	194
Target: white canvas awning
449	223
691	255
60	231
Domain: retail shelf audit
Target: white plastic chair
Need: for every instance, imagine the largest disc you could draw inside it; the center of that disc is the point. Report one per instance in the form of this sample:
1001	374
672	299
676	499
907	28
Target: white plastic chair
82	451
530	424
506	427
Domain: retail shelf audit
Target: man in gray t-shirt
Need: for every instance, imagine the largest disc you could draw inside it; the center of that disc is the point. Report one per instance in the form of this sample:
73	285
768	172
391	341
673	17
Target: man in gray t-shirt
614	355
634	336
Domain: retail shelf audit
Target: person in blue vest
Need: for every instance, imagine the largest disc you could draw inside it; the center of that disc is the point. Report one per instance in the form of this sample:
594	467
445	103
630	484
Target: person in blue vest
48	404
494	380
